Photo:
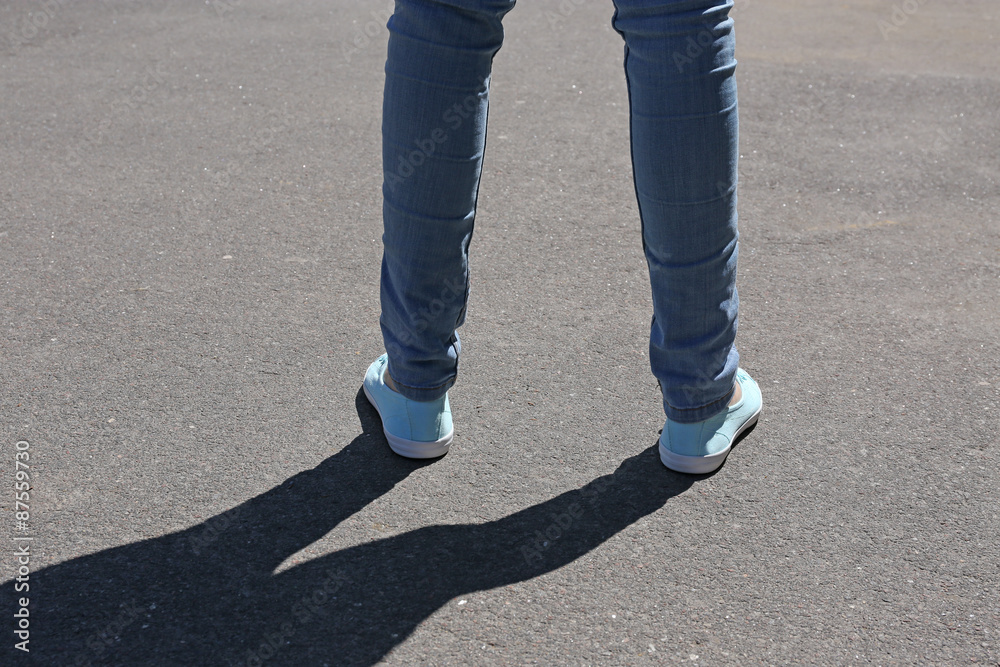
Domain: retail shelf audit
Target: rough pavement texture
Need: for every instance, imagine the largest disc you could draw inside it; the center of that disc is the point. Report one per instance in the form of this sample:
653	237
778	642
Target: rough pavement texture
190	243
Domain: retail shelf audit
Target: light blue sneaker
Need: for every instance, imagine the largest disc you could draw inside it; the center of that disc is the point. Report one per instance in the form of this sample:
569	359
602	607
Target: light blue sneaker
701	447
414	429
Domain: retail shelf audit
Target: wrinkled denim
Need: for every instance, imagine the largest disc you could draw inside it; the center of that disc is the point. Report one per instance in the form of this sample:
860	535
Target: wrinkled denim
679	66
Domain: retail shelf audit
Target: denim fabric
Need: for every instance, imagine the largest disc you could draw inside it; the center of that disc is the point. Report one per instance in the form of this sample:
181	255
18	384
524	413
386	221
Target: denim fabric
679	66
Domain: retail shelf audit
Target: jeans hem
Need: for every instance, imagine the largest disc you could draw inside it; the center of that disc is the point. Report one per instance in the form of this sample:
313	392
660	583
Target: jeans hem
694	415
422	394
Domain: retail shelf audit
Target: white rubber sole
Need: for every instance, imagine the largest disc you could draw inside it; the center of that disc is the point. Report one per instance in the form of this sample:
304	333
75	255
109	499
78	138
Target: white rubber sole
702	465
413	449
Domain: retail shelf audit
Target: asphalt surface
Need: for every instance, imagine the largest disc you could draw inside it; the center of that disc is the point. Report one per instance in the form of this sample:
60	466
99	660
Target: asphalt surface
190	248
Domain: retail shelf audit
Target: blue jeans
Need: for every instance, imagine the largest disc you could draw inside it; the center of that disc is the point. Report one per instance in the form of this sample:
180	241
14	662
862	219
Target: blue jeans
679	64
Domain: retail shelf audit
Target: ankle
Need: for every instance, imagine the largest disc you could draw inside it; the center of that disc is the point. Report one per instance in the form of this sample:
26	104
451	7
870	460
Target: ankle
737	395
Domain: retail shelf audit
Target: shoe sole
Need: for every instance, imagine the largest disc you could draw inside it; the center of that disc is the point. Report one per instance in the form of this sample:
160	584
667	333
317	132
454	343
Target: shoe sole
702	465
412	449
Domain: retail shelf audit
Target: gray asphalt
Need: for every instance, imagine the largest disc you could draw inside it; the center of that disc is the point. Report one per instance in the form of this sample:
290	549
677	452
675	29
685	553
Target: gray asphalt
190	246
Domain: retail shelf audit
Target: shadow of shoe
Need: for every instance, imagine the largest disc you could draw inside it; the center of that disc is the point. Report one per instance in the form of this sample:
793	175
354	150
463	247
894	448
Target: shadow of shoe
209	595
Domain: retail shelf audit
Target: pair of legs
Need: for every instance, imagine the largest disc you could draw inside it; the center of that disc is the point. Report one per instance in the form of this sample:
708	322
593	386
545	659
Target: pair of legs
679	65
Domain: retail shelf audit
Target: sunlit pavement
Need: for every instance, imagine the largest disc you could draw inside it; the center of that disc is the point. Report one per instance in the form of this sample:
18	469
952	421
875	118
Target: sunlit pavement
190	234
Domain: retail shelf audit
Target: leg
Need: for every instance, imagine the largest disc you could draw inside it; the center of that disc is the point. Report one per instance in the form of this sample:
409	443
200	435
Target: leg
680	65
433	138
435	106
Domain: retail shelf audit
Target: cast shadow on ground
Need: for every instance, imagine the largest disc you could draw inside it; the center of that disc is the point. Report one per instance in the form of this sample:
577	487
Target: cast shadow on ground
209	596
